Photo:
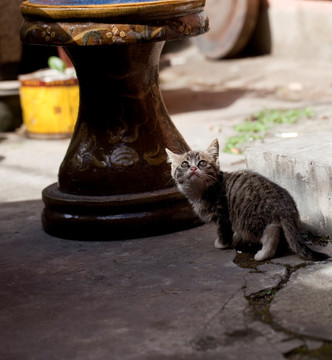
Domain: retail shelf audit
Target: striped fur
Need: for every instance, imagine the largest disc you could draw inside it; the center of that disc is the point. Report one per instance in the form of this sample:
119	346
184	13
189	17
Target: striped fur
245	206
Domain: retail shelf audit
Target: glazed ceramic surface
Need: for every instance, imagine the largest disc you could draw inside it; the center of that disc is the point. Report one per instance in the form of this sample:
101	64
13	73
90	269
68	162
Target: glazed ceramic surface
115	180
119	11
87	2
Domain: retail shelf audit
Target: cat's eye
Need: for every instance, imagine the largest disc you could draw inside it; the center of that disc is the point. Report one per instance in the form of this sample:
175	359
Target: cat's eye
185	164
202	164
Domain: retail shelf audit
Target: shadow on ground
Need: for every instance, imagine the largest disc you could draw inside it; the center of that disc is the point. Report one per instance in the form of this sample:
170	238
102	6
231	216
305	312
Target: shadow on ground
187	100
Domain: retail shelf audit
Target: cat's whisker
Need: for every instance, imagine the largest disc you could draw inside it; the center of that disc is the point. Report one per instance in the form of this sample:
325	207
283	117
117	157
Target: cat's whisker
179	149
208	179
169	182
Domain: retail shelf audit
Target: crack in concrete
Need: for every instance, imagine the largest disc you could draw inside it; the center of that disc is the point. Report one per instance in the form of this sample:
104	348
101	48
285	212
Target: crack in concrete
212	326
259	302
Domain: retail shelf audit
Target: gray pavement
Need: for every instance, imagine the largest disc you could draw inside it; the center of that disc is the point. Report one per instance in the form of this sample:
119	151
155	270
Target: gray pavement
173	296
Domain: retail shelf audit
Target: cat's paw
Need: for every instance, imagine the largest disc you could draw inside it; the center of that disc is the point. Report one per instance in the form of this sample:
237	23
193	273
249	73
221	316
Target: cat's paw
219	245
261	255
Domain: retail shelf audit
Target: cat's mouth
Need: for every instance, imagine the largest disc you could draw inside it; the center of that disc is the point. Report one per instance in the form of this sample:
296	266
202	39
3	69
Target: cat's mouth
193	175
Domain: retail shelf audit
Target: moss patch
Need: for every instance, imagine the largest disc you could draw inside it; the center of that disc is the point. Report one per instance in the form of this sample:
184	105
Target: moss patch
256	126
302	353
245	260
260	301
315	239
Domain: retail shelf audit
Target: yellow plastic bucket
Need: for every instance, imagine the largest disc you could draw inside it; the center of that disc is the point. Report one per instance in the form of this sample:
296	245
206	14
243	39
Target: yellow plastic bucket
49	104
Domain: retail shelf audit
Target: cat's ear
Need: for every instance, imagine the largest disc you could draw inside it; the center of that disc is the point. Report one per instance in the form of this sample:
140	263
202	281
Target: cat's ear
213	150
171	157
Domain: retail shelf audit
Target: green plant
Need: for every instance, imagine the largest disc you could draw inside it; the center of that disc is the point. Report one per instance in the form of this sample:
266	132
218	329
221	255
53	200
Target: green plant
55	62
255	127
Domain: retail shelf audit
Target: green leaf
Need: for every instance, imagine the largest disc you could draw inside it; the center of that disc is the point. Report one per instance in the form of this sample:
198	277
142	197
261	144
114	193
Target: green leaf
255	127
56	63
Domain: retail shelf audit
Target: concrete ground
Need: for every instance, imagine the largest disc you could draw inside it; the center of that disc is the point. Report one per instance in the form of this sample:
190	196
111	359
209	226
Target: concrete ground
173	296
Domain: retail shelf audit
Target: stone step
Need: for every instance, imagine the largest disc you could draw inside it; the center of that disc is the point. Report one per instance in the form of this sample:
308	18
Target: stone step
303	166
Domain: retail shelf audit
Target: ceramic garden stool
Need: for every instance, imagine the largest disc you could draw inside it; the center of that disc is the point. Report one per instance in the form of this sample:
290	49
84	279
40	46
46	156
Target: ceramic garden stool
114	181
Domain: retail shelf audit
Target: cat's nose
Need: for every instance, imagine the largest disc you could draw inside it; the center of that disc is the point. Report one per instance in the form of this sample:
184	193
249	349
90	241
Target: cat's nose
193	168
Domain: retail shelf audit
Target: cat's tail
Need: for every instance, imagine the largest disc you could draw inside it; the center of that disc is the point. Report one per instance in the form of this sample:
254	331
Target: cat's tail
296	243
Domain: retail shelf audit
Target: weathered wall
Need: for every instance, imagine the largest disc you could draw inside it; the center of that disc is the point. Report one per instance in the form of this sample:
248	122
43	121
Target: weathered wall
294	28
304	167
301	28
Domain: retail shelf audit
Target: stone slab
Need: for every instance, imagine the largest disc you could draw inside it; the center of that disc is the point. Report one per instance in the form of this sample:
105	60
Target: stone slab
304	305
303	166
165	297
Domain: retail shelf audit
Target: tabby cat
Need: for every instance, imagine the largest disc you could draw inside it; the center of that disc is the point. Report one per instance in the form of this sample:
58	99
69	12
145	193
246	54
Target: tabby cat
246	207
